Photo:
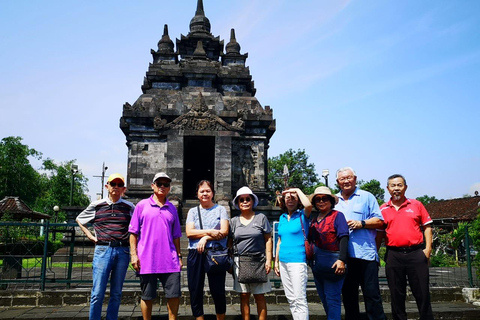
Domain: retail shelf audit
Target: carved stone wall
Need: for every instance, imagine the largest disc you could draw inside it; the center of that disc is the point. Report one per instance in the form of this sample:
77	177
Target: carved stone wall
248	165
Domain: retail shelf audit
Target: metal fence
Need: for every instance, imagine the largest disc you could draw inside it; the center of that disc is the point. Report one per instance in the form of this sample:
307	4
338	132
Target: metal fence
47	256
41	256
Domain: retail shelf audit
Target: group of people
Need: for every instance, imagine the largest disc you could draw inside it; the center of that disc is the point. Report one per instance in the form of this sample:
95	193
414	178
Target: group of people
344	233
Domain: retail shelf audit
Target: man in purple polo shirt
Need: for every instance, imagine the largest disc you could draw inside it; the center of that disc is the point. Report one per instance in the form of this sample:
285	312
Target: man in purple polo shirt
155	247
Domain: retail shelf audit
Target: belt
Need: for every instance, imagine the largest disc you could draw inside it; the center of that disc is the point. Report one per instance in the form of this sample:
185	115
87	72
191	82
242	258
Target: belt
113	243
406	249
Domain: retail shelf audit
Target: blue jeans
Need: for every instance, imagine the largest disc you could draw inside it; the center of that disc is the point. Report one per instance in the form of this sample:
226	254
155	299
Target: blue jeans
329	285
108	260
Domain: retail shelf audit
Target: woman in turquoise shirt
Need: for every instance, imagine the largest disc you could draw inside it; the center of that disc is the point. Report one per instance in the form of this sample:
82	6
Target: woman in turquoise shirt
290	258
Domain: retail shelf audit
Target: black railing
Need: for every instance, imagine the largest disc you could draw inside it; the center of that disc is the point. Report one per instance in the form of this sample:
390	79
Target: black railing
46	255
41	256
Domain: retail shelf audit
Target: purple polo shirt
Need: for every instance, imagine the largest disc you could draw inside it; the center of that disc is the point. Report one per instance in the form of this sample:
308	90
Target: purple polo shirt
156	228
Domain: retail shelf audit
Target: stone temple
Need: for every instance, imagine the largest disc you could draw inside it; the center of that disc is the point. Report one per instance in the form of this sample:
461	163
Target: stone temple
198	118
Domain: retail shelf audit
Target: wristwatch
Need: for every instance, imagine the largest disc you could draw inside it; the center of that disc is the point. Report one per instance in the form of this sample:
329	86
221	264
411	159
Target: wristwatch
363	224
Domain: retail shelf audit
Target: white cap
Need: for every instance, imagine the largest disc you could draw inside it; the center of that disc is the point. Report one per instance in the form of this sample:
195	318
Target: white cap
161	175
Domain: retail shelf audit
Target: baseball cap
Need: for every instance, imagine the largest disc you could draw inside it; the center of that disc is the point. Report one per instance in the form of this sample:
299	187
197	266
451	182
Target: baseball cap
161	175
114	176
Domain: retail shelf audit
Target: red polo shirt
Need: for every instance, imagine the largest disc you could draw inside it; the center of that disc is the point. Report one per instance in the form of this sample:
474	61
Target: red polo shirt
403	226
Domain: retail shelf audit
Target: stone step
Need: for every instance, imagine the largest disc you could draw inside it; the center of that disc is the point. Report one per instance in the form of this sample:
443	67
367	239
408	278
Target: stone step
441	310
81	296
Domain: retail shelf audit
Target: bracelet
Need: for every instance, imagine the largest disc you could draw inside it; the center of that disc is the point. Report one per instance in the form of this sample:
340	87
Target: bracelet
180	256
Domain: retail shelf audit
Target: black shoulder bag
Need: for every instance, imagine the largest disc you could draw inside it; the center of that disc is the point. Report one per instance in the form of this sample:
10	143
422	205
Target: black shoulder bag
217	259
251	266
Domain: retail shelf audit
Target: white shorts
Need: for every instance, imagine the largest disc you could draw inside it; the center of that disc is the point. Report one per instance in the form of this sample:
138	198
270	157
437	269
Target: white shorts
253	288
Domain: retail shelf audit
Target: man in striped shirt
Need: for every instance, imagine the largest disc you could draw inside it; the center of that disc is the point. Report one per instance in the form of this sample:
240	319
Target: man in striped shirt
110	218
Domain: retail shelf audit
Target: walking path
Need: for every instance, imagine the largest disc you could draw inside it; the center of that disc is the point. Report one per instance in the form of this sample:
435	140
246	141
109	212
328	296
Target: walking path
441	310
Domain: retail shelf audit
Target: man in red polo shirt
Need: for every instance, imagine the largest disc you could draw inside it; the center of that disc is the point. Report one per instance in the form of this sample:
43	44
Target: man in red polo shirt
407	252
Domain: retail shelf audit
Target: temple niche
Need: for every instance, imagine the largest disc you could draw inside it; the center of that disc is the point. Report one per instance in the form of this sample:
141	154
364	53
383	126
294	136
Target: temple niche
198	118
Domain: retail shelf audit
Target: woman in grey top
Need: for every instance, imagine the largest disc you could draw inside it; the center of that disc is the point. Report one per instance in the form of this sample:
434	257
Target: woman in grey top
251	233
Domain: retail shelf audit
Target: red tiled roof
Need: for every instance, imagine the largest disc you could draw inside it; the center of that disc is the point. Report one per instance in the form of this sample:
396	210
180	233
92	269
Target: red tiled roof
19	209
465	209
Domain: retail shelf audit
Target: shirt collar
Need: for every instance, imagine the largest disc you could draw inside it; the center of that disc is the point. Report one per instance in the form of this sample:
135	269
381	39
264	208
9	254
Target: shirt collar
294	212
110	202
154	204
406	202
355	193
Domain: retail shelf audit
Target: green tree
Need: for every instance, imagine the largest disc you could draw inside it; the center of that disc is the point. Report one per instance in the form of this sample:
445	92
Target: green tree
17	176
301	173
40	191
57	182
425	199
373	186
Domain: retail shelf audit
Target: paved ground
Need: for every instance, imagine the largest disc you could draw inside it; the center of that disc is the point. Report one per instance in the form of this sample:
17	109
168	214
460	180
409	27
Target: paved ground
442	310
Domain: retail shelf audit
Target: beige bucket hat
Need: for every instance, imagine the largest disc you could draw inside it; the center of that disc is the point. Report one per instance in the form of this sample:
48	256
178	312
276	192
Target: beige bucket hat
323	191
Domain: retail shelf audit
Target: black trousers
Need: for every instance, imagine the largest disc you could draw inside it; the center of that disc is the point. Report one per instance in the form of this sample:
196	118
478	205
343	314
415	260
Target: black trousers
414	266
362	273
196	281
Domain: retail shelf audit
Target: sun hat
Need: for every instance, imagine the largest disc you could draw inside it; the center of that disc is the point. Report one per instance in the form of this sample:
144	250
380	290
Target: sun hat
323	191
244	191
161	175
114	176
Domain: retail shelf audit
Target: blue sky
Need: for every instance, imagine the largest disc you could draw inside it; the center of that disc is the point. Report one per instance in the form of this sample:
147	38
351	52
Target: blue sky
382	86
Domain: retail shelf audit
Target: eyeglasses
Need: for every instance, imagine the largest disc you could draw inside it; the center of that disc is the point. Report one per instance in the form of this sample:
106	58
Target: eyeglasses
343	179
162	184
115	184
247	199
322	199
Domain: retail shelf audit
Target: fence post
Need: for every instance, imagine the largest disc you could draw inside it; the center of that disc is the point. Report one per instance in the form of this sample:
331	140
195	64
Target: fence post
467	252
70	257
43	274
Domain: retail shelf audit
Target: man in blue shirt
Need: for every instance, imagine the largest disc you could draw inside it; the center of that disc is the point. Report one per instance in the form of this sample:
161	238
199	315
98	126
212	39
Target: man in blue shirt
363	217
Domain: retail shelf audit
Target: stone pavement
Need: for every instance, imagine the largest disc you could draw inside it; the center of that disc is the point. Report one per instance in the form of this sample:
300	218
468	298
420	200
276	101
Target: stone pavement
442	310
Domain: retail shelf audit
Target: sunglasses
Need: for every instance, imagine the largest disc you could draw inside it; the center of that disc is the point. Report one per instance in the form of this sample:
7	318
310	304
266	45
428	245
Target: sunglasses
322	199
115	184
247	199
162	184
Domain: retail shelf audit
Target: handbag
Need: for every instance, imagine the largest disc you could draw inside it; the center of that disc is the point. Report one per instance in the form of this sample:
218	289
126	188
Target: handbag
251	268
217	258
308	246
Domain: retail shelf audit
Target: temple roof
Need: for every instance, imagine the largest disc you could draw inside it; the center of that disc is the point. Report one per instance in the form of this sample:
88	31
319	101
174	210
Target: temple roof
177	75
199	23
165	45
19	210
233	46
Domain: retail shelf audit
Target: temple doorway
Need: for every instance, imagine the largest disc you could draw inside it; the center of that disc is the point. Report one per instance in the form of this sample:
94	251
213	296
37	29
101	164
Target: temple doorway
199	163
